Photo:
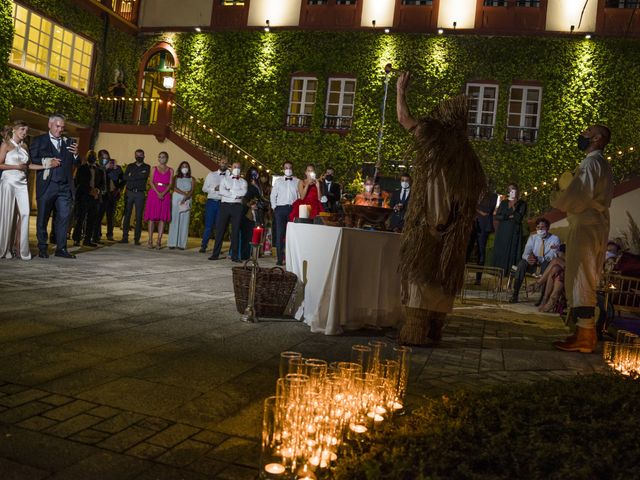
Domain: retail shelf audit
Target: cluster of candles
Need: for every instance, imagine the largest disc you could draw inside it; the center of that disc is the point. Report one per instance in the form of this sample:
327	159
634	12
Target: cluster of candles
321	409
623	355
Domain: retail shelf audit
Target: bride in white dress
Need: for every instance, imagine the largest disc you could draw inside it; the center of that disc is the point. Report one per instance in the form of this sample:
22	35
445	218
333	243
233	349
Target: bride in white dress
14	195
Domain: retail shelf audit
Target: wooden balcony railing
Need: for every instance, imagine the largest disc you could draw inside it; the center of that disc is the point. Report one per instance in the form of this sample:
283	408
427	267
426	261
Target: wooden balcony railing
164	118
127	9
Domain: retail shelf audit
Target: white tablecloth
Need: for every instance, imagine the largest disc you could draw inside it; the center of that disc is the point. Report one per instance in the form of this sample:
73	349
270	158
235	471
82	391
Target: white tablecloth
350	277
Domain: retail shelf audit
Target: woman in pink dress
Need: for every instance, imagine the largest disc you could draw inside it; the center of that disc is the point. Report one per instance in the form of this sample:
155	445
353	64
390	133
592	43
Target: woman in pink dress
309	193
158	206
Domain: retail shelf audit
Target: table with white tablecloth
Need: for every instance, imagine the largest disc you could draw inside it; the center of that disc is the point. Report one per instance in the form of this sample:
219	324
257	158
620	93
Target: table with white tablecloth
349	277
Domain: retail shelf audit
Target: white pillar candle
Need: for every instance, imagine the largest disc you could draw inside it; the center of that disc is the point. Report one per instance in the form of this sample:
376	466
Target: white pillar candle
303	211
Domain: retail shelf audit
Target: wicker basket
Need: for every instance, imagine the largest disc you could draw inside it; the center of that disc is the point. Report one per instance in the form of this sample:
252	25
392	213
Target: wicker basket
273	290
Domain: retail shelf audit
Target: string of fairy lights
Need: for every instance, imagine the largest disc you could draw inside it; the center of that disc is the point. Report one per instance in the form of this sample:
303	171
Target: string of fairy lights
224	140
537	188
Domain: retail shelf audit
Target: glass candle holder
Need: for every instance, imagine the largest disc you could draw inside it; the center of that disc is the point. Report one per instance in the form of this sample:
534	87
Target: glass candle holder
284	362
361	354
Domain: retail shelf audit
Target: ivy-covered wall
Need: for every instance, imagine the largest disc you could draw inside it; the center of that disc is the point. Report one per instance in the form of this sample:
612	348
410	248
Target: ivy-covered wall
121	51
239	82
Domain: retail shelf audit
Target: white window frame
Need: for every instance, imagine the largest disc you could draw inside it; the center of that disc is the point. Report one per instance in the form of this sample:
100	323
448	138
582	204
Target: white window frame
303	103
70	76
341	103
521	127
478	126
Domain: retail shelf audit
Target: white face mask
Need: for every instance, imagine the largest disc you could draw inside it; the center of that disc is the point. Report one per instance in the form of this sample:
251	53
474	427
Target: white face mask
404	184
541	232
288	172
611	255
184	170
512	194
235	172
312	175
368	188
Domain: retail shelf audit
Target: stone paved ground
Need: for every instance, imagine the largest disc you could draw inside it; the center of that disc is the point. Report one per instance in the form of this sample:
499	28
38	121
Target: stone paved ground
129	363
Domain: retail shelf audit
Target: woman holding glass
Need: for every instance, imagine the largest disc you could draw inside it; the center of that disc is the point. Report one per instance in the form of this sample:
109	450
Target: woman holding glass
14	194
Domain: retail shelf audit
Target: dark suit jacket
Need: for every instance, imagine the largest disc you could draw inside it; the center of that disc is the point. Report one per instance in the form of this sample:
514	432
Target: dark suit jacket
395	198
487	205
41	147
83	179
396	222
333	193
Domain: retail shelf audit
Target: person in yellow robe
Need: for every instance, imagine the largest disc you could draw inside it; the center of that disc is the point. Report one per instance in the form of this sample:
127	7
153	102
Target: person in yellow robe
586	200
448	181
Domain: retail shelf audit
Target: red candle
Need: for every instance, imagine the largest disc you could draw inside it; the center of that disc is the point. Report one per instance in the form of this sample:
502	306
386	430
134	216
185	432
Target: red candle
257	235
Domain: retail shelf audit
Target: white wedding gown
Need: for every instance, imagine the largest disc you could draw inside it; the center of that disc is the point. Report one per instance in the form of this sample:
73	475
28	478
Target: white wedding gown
14	202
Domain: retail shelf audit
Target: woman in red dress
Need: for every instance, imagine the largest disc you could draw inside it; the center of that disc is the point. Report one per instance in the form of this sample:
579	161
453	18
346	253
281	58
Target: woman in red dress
309	194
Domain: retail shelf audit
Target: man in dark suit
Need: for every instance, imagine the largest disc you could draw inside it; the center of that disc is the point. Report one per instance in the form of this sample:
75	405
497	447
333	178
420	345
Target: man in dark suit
54	186
482	227
89	185
113	179
400	203
331	192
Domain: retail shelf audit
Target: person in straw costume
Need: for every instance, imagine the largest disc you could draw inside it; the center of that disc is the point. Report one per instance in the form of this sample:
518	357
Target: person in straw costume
448	182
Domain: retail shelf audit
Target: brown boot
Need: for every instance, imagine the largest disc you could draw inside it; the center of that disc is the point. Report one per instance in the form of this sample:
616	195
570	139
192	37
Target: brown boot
584	341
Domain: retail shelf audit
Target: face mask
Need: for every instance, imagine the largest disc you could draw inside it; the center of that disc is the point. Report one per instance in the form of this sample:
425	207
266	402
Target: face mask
288	172
404	184
368	188
311	175
139	159
329	178
104	161
583	142
254	175
512	195
91	160
235	172
541	232
611	255
184	170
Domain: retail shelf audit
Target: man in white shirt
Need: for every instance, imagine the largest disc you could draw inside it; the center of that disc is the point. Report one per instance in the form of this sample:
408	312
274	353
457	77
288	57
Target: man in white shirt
540	249
283	194
212	188
232	190
586	200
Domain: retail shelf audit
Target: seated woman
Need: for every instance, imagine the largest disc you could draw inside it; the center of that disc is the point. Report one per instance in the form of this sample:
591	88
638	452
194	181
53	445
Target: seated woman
372	196
553	281
309	194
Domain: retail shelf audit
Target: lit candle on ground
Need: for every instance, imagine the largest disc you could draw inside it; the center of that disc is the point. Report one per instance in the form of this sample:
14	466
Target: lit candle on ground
275	468
397	406
257	235
375	417
358	428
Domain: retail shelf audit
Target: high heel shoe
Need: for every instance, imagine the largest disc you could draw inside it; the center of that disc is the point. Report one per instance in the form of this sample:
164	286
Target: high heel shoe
159	244
149	244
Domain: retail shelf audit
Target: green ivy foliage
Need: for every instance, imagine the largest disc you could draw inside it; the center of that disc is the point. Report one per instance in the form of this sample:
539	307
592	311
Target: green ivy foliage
239	82
6	38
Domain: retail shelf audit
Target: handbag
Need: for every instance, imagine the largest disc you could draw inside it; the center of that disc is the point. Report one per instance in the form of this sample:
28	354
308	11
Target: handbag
184	207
